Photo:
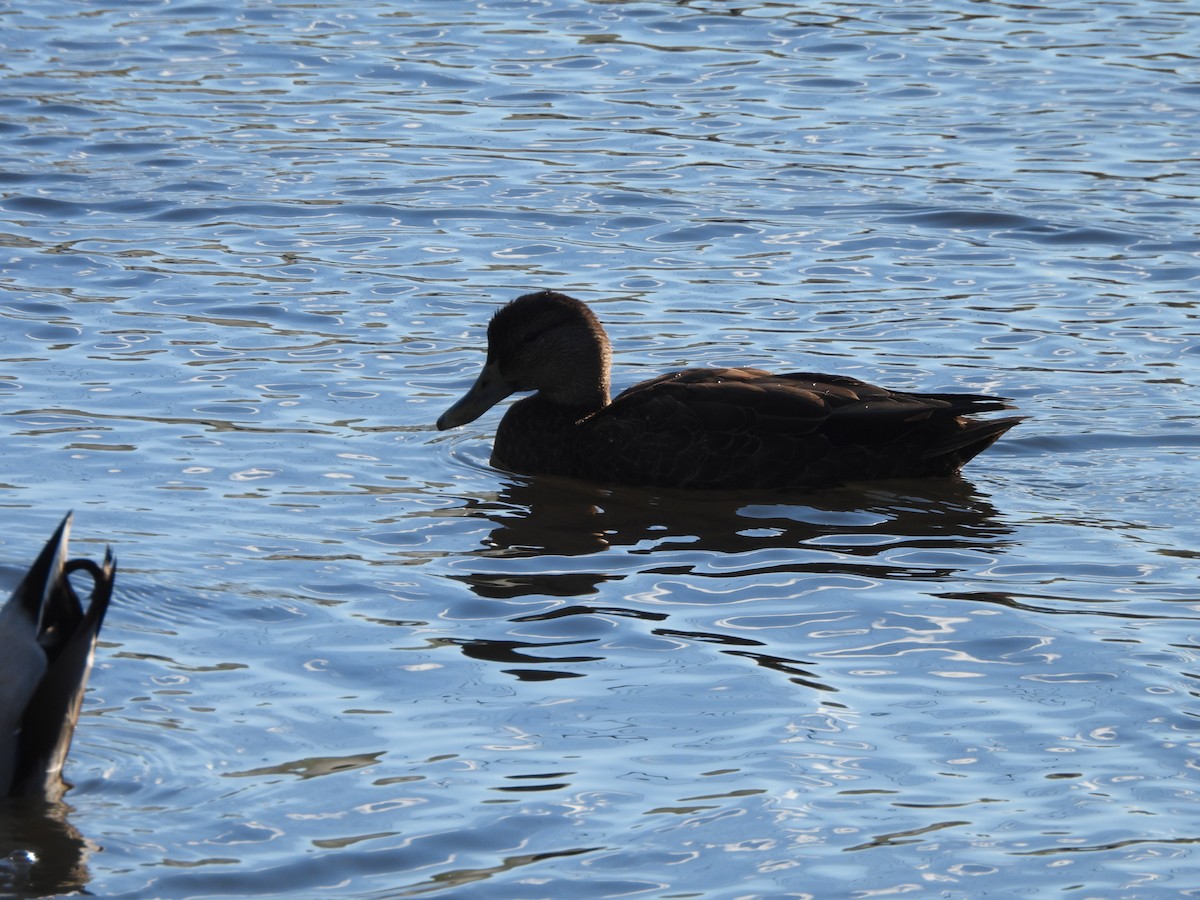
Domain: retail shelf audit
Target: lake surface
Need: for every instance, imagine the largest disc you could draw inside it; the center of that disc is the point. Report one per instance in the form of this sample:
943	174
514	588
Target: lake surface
248	255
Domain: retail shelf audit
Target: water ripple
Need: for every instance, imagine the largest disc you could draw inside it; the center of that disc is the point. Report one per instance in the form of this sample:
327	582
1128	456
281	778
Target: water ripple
248	256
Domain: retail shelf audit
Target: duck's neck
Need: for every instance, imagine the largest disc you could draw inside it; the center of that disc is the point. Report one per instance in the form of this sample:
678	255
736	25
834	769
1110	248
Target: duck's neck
539	436
586	387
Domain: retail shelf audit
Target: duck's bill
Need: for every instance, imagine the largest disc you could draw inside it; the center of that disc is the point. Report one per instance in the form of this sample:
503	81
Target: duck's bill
488	390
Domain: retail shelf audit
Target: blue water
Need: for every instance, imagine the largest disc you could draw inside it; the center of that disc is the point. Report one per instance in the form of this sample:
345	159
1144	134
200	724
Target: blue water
247	257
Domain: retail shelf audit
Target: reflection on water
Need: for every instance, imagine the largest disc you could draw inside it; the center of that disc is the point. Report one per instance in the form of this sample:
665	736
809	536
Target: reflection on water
51	855
563	517
836	540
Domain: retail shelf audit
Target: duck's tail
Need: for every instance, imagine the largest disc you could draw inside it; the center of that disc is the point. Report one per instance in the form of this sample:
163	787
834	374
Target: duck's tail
66	633
974	436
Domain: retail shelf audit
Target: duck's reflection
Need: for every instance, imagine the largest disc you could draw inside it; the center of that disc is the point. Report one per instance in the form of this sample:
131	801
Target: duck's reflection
545	529
52	859
509	585
553	516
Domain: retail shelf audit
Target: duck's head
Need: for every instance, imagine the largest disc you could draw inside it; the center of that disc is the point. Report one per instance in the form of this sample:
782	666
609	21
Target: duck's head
545	342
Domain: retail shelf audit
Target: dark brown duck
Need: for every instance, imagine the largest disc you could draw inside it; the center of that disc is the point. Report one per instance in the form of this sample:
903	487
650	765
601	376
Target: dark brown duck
703	428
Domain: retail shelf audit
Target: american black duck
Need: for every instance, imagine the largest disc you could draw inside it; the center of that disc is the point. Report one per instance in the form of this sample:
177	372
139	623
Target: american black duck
702	428
47	640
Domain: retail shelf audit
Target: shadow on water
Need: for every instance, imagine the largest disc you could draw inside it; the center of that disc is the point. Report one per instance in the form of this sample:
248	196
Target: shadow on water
559	542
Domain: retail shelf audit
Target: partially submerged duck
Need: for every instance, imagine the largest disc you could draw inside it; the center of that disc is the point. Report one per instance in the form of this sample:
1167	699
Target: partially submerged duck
47	640
703	428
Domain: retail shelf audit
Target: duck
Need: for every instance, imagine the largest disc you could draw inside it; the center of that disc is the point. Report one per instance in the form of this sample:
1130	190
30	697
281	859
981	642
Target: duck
47	643
719	428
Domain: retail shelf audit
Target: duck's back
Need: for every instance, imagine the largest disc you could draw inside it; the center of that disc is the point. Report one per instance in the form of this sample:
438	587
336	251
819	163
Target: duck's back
745	428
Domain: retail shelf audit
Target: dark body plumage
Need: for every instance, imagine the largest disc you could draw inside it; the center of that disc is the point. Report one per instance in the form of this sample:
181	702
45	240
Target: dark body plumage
704	428
47	640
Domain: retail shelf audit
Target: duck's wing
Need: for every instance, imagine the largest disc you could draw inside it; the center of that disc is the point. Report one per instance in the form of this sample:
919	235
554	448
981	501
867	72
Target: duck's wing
48	640
796	403
938	427
747	427
852	403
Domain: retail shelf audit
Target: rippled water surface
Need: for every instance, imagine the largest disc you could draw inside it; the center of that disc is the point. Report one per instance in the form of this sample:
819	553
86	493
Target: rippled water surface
247	255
